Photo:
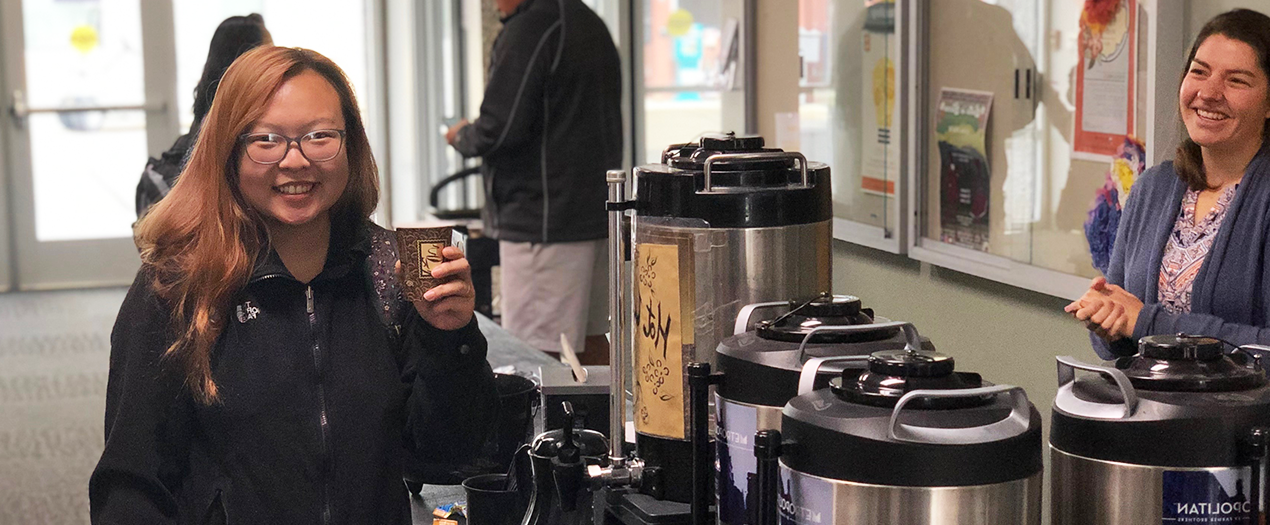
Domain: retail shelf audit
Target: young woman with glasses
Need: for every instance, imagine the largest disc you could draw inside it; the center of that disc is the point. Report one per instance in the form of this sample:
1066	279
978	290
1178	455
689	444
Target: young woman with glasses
264	366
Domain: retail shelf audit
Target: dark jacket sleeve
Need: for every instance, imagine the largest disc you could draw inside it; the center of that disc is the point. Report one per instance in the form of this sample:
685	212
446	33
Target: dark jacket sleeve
147	418
453	401
1154	319
512	104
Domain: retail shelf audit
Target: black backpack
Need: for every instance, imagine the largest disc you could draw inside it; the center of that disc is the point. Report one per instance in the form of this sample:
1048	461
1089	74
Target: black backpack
160	174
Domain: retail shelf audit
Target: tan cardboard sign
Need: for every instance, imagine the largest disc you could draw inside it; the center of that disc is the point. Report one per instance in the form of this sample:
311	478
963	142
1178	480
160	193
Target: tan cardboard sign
659	339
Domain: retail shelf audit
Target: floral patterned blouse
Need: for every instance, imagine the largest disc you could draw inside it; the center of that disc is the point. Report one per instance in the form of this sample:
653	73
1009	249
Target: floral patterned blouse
1187	248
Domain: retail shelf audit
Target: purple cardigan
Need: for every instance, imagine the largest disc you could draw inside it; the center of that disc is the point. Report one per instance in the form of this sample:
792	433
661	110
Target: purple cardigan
1229	299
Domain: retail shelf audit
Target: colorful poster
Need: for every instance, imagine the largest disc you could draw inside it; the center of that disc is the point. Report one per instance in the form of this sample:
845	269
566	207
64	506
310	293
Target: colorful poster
659	325
1105	78
881	166
965	181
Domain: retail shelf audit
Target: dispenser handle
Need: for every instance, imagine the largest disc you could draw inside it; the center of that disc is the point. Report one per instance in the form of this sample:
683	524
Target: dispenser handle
807	379
1260	355
1014	424
912	341
1067	400
802	163
747	313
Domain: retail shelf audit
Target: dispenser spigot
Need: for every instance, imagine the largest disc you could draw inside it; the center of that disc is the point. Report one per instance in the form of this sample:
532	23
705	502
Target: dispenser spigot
566	466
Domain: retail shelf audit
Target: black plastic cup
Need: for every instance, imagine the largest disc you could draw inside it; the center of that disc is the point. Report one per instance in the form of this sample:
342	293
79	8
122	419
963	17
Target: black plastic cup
488	503
518	399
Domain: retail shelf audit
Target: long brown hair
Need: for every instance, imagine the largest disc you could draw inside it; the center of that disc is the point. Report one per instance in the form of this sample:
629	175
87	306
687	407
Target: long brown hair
1244	25
201	242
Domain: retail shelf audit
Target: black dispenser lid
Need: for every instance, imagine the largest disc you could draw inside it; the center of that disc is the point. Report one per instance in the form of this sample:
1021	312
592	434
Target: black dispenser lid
985	435
693	156
893	373
1187	363
826	310
767	187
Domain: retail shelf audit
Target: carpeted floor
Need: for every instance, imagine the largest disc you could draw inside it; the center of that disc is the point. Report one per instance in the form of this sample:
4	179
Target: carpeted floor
54	352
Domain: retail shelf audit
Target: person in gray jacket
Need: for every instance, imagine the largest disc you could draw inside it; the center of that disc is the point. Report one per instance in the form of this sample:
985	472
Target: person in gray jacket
1192	253
550	125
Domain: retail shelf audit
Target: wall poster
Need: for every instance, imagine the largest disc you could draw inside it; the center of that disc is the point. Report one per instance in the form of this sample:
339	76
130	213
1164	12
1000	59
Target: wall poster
1105	78
881	166
965	179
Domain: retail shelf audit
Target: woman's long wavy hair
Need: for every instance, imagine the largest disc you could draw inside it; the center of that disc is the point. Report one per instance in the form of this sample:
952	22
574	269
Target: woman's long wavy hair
1244	25
201	242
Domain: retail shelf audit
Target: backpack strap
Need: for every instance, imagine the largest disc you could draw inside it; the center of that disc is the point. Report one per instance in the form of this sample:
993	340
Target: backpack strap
156	179
390	301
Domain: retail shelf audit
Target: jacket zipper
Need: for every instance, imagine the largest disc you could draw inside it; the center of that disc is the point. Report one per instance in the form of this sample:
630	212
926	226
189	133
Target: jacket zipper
322	420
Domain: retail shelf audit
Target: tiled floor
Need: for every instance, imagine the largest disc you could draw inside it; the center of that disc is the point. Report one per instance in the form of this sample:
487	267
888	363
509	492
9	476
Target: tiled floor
54	352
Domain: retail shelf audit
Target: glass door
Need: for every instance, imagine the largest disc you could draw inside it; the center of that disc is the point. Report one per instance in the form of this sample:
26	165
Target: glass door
84	110
691	66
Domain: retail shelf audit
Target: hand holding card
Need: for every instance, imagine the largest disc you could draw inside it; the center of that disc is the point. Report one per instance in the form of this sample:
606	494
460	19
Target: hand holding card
435	276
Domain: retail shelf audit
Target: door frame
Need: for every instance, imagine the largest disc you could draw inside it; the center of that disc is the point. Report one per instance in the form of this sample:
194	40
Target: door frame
35	265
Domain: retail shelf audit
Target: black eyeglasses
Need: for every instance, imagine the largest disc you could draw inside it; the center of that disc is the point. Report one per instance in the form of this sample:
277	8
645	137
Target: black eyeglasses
270	148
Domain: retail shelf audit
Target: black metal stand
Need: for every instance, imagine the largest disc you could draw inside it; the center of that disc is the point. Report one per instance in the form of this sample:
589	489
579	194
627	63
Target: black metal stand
1255	447
767	450
699	381
641	507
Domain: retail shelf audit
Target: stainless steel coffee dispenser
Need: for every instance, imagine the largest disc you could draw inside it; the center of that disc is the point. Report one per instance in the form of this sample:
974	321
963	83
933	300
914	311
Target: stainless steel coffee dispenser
761	367
907	440
1174	434
719	224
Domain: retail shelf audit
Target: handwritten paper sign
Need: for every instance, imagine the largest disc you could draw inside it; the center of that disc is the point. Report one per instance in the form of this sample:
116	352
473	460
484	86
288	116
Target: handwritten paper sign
659	373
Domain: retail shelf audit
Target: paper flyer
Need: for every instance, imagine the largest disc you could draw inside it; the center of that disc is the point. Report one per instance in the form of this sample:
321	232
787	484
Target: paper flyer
965	177
1105	77
881	149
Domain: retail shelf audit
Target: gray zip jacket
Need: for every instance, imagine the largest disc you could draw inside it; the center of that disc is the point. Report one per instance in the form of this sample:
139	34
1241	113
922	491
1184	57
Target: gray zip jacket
550	124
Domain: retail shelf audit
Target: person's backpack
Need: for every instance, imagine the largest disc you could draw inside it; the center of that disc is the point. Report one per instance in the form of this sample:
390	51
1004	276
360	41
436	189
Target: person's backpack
160	174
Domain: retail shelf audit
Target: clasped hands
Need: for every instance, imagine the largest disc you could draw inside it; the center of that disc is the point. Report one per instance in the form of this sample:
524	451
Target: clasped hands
1107	310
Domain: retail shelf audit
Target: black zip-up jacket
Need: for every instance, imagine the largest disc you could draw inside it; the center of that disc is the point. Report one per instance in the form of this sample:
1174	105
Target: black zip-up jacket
321	394
550	124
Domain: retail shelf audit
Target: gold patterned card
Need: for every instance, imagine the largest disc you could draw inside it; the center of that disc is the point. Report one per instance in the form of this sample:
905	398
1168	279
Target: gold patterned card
420	253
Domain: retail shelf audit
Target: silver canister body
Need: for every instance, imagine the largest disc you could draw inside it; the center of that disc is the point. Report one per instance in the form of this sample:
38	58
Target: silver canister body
1088	491
720	271
733	267
805	499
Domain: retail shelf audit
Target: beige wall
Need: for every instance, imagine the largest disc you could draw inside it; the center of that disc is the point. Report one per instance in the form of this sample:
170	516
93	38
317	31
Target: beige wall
777	63
1201	11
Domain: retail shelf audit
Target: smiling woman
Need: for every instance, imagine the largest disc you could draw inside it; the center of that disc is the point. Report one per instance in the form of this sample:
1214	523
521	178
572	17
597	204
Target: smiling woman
259	368
292	187
1192	252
